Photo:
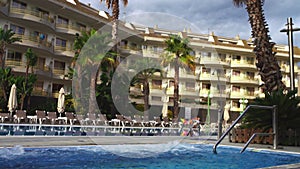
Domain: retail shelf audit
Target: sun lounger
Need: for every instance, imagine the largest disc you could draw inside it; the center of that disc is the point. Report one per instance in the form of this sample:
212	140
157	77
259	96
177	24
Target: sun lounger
4	116
137	121
80	118
52	116
91	118
20	115
41	116
102	119
70	117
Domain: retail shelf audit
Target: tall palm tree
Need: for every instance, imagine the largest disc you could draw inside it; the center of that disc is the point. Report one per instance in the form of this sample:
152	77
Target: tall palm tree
31	61
180	51
114	5
5	76
6	37
144	76
267	64
92	55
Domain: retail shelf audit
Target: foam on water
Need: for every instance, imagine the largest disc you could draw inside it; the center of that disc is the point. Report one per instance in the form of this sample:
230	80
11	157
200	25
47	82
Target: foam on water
140	150
10	153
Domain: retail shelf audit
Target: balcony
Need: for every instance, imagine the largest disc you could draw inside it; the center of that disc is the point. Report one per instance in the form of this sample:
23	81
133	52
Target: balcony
69	28
39	92
59	72
64	50
35	42
244	80
214	61
131	50
208	77
243	64
32	15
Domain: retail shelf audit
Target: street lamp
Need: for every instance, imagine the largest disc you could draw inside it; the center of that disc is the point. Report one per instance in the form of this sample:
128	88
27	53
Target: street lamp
243	103
290	31
208	96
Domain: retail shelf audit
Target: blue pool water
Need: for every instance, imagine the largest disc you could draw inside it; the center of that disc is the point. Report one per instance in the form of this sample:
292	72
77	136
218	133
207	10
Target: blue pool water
185	156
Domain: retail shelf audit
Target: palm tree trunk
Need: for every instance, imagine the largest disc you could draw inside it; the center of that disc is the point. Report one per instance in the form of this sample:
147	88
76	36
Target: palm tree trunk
176	88
92	99
146	94
267	64
2	57
115	25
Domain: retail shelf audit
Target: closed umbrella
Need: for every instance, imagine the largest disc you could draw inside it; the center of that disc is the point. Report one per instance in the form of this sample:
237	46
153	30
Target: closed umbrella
165	107
226	113
61	101
12	100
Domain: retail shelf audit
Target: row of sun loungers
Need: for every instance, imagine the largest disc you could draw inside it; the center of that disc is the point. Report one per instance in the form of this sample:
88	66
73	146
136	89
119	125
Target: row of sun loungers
43	117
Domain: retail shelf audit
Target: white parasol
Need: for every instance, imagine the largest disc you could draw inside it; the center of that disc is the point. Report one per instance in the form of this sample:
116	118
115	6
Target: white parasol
164	110
61	101
226	113
12	101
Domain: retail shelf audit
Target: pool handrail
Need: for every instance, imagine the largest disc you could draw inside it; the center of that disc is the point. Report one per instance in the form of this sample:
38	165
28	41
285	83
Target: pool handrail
275	122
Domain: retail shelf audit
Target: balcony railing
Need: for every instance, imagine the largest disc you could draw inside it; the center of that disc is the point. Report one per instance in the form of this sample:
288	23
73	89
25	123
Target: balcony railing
37	42
11	62
59	71
69	26
35	13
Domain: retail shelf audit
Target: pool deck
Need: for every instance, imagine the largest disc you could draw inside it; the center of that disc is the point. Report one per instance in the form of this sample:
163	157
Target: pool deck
42	141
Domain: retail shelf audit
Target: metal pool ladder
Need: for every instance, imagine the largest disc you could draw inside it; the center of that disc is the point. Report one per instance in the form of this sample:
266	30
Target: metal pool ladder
274	121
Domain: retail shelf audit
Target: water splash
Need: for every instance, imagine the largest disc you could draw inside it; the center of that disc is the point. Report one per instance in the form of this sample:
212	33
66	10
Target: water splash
13	152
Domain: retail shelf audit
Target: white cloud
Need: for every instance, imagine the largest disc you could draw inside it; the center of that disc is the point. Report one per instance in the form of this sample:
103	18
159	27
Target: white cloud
219	16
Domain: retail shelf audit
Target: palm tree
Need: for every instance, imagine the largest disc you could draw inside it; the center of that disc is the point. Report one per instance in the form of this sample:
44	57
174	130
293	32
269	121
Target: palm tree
267	64
31	61
114	5
6	37
92	55
180	51
144	76
287	109
5	76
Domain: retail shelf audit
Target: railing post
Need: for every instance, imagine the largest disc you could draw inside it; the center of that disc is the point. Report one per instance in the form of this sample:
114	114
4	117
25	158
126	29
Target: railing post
275	127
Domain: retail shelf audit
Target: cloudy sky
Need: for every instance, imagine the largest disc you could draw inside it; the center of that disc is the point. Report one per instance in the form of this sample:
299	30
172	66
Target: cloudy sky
203	16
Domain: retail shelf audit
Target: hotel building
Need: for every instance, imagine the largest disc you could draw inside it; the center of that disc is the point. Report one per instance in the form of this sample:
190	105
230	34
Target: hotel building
225	74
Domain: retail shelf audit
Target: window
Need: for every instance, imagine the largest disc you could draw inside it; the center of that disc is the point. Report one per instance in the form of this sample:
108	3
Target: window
206	70
59	65
81	26
236	57
18	4
190	85
236	73
250	91
61	42
14	56
156	84
56	87
236	88
17	29
250	75
206	54
205	86
38	86
250	60
40	63
222	57
63	21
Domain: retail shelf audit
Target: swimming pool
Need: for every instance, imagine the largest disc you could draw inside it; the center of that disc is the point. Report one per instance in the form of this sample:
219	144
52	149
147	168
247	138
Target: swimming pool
187	156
